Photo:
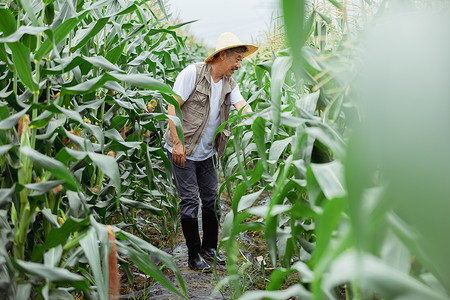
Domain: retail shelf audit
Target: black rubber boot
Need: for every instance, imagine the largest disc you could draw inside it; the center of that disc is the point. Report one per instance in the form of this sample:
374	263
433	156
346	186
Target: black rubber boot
210	239
190	232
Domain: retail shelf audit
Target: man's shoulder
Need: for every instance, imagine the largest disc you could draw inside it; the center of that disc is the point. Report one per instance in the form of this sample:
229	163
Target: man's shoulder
194	67
230	80
189	68
199	65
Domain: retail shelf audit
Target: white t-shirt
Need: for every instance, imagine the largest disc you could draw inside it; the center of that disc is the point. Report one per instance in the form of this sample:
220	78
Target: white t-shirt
184	86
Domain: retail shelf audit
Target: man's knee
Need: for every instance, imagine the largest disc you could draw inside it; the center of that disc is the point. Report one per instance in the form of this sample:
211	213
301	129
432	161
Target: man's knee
189	207
211	207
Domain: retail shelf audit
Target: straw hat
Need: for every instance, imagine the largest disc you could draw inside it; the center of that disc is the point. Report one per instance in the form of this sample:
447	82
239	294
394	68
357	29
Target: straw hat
228	40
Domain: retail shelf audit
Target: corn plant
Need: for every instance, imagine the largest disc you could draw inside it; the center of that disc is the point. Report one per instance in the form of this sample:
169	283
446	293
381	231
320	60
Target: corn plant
326	149
83	86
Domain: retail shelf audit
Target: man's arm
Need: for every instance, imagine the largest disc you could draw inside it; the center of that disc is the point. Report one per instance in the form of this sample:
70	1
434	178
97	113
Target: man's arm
247	109
178	151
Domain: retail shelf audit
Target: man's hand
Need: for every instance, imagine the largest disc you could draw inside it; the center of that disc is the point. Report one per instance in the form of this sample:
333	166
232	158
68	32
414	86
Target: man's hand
178	154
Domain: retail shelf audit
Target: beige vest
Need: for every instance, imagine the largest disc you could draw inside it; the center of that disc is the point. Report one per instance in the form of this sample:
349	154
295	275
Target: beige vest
195	111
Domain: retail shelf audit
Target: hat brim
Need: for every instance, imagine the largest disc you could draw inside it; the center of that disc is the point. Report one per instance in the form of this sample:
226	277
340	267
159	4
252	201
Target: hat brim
250	50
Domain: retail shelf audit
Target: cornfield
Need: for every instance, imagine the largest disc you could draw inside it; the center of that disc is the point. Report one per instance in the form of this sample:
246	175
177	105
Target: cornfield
342	169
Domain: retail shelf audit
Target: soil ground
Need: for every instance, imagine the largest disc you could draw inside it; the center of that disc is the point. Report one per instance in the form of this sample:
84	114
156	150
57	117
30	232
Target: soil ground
202	285
198	285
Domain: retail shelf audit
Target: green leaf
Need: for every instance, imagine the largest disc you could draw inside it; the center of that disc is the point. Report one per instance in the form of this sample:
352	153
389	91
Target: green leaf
277	148
296	290
263	210
138	80
178	120
259	134
16	36
336	4
238	193
172	27
324	17
101	62
51	218
162	6
53	274
144	263
141	15
280	68
308	102
55	167
114	55
309	26
21	60
164	257
127	10
326	225
248	200
141	205
4	149
27	5
43	187
330	177
371	273
396	254
60	33
10	122
23	291
278	197
96	27
144	82
149	167
6	196
329	137
257	173
124	146
59	236
227	227
108	165
267	65
7	22
4	58
91	249
294	13
277	278
49	12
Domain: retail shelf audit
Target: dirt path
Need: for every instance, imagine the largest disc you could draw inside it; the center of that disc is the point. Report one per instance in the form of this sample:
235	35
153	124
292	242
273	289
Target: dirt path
199	285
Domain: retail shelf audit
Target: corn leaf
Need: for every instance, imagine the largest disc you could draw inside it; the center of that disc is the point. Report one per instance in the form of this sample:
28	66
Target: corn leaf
53	274
59	34
57	168
259	135
21	60
108	165
91	250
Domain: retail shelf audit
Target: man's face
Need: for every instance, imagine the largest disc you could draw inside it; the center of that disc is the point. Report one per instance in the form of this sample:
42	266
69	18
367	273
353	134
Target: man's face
232	62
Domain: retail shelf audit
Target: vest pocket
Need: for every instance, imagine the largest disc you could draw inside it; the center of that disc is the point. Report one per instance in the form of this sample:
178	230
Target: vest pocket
192	120
199	98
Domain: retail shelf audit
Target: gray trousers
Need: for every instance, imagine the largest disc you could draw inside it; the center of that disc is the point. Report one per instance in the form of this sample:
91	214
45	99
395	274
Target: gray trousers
197	178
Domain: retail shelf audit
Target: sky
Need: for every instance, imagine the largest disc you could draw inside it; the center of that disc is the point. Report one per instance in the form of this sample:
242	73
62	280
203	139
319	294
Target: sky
247	19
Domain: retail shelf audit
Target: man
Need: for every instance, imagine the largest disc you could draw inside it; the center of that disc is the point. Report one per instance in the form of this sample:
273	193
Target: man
207	91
